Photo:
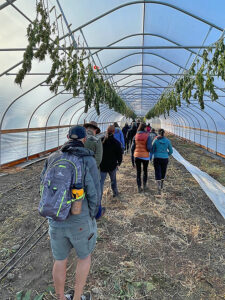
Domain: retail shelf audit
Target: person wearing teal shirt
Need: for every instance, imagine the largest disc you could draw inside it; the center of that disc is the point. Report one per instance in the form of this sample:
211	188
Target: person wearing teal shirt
161	150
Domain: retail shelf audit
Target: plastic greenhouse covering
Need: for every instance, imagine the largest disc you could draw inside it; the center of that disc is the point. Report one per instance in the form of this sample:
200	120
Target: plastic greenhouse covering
140	47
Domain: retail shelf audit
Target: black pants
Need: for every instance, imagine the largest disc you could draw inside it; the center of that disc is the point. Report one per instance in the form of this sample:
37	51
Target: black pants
138	162
126	144
160	166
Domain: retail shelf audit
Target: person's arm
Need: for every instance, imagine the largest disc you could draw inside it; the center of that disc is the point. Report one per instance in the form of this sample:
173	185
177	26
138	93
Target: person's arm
91	192
132	151
122	139
153	146
170	148
149	144
119	154
98	152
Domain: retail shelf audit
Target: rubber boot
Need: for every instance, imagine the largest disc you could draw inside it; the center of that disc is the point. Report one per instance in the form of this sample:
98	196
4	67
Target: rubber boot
159	186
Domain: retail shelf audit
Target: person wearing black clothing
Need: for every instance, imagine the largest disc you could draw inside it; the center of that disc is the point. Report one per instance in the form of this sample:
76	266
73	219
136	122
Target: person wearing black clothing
125	130
131	133
112	157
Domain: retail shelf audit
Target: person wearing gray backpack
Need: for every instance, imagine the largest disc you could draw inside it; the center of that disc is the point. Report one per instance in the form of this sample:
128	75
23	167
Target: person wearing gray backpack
72	168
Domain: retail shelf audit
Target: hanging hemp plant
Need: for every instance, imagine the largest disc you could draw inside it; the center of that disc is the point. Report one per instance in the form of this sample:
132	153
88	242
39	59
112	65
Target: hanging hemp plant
67	66
195	82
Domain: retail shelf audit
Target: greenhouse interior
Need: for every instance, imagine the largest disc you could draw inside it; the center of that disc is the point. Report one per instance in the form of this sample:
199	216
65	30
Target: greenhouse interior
100	70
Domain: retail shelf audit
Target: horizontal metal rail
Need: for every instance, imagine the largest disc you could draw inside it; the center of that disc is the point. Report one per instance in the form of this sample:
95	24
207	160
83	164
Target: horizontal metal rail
118	48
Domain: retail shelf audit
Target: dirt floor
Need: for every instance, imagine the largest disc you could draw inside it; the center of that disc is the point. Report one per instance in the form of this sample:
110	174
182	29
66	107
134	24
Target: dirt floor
149	246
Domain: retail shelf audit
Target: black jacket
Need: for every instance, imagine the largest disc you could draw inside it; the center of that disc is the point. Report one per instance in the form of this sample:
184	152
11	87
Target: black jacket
112	154
131	133
125	130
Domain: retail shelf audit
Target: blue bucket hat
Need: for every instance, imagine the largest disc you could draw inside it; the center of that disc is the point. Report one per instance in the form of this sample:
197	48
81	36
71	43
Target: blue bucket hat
77	132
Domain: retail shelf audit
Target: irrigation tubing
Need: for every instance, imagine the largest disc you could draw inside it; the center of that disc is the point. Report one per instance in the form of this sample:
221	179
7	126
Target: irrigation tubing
25	253
24	244
16	186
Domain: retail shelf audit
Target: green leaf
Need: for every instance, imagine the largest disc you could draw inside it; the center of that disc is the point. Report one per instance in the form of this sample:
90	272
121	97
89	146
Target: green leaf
27	296
149	286
19	295
50	289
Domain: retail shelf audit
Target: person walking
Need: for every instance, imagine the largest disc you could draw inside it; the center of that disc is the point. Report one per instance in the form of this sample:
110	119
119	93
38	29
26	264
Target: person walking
152	134
161	150
78	231
140	149
125	130
131	133
118	135
148	128
95	144
92	142
112	158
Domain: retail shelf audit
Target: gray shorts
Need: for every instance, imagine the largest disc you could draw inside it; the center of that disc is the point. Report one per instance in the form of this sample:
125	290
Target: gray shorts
81	236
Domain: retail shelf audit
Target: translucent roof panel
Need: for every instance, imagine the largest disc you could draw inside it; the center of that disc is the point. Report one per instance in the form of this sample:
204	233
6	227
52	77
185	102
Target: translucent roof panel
141	47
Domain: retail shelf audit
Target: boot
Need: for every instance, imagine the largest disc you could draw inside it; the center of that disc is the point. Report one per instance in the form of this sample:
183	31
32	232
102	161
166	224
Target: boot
162	181
139	189
159	186
145	188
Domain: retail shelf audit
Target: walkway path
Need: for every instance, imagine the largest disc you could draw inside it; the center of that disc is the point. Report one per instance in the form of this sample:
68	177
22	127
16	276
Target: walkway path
149	247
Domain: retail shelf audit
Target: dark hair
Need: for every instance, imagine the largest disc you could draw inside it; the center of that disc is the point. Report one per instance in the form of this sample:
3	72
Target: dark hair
161	132
142	127
153	130
110	131
115	124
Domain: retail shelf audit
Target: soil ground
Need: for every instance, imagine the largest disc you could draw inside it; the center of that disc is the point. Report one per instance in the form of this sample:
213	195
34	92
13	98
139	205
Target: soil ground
149	246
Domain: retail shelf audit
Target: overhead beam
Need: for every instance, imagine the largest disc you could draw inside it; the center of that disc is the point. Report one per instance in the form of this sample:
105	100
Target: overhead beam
123	74
8	2
119	48
147	2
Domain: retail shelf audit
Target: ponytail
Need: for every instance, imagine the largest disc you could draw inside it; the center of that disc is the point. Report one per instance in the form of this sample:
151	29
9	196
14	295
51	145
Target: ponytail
161	132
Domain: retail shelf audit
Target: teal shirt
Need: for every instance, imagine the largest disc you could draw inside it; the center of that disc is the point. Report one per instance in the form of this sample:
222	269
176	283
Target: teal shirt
162	148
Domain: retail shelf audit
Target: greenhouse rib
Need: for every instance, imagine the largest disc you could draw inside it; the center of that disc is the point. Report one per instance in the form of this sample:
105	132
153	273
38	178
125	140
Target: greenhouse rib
147	2
120	48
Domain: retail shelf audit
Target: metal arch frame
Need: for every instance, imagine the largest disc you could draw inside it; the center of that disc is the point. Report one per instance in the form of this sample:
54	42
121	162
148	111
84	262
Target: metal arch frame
208	127
221	116
138	95
68	108
159	86
148	53
183	120
147	2
147	34
74	115
52	113
187	114
194	116
106	114
8	2
145	84
143	41
175	122
28	125
83	113
91	113
150	66
176	116
189	125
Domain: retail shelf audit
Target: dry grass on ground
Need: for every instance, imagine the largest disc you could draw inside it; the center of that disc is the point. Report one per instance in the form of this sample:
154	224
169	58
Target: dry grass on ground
149	246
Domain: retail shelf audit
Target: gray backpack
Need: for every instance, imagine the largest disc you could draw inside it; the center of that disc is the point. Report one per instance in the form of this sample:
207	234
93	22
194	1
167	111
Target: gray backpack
61	175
